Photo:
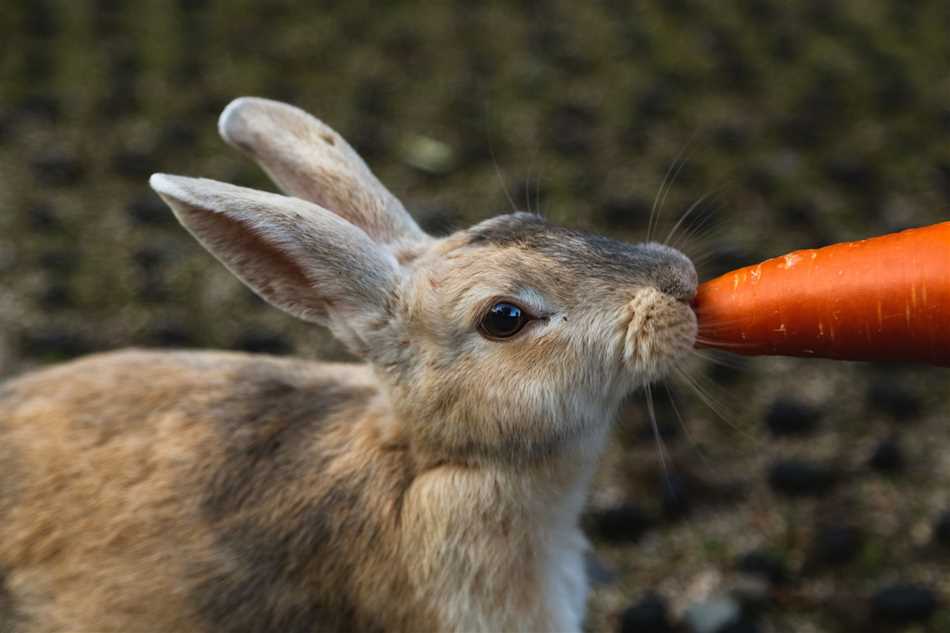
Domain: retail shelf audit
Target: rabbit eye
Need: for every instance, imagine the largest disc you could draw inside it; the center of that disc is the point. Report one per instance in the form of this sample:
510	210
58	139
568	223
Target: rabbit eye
503	320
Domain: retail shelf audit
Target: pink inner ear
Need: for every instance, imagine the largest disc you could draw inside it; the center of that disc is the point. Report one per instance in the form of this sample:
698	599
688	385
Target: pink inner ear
264	266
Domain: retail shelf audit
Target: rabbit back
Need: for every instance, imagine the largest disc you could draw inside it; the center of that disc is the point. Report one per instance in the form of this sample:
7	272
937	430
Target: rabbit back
191	492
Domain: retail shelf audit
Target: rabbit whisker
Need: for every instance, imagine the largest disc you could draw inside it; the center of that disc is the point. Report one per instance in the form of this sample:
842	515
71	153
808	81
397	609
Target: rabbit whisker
717	407
502	181
660	444
700	231
719	360
686	214
722	344
665	185
682	420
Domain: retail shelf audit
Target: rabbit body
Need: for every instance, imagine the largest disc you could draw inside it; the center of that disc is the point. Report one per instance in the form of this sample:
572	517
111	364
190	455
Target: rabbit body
435	488
176	491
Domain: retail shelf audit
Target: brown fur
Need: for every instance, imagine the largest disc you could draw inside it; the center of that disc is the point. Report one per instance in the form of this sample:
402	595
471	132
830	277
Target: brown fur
248	493
436	487
189	500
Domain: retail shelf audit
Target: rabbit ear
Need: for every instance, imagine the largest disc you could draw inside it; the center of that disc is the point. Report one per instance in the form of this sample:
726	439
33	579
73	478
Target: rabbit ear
296	255
309	160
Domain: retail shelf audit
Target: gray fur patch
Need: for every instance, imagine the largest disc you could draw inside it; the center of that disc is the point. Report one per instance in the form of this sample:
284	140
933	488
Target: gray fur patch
286	572
508	230
591	256
9	616
268	426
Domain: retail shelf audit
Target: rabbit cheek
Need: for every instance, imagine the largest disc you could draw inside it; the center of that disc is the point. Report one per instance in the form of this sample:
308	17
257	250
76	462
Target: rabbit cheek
660	331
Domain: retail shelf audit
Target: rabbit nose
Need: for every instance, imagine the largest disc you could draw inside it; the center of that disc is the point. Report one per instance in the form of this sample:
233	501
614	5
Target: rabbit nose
684	294
672	272
681	285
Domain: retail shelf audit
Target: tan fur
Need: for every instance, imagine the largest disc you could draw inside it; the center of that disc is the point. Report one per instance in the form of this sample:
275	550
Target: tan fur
109	517
436	487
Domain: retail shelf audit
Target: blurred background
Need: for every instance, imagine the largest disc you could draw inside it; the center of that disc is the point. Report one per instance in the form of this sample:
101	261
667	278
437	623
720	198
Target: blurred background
785	495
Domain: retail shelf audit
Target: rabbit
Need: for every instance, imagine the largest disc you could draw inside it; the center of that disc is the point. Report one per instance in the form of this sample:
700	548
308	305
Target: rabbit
435	487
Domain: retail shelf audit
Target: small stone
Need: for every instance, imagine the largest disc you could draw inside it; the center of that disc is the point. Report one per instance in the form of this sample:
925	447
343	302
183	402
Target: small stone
621	524
852	173
802	128
54	343
657	102
630	212
177	136
59	262
57	296
764	564
170	335
106	20
762	180
730	137
40	20
791	417
649	615
742	625
598	573
264	343
904	603
134	165
152	289
149	259
894	400
713	616
190	70
44	218
676	496
120	101
836	545
58	169
570	129
193	5
753	592
942	529
373	98
40	107
428	154
38	65
6	128
801	478
150	210
942	177
801	213
894	92
887	457
728	372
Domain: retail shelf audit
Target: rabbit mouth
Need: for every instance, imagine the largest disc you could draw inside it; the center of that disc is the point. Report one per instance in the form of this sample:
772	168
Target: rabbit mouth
660	331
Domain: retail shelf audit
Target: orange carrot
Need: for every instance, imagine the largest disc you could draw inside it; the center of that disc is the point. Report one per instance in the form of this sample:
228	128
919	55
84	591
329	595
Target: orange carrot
885	298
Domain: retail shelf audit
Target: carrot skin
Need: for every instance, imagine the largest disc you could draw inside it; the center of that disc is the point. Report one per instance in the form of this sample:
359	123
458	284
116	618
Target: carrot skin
884	298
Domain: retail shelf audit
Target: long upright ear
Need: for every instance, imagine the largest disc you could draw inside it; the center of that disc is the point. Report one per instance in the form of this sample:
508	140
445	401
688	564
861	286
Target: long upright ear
309	160
295	254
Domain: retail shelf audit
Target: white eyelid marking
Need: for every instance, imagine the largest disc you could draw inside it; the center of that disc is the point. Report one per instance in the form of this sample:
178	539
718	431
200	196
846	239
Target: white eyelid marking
535	303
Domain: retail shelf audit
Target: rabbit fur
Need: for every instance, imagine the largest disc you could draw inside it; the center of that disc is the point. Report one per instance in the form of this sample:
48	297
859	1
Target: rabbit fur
436	487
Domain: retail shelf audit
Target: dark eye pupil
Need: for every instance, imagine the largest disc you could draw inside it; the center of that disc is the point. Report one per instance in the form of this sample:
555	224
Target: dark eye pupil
503	320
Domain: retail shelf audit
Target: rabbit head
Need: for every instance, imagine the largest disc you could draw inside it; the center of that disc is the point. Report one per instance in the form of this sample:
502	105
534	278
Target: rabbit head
505	341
